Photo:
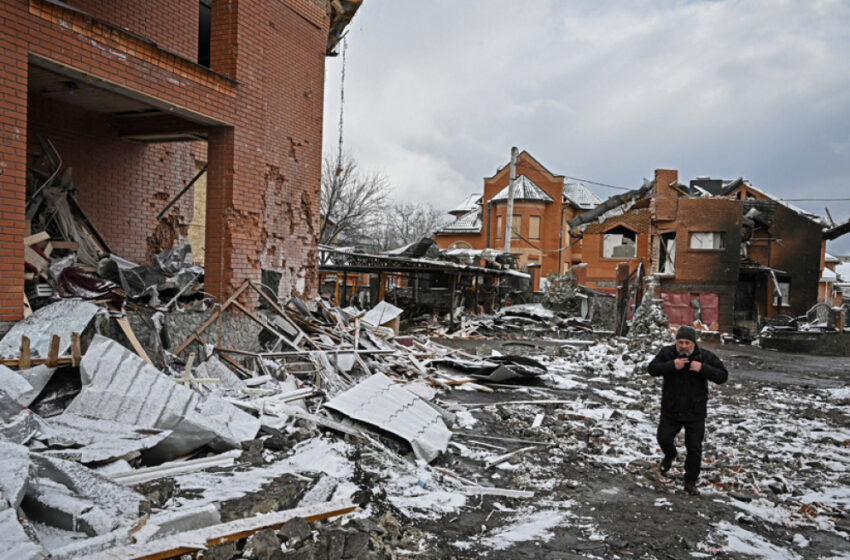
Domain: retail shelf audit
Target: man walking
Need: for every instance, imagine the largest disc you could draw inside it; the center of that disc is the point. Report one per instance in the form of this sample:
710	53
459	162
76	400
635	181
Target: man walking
686	369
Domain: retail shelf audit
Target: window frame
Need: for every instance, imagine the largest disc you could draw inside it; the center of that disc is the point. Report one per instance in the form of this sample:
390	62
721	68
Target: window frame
607	233
531	221
721	235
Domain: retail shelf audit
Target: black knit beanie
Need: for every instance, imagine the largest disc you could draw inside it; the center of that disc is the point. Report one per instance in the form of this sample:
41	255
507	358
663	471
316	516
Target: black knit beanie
687	333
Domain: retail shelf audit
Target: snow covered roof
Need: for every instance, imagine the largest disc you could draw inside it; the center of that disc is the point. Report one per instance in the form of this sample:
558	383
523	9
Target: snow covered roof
468	223
581	196
830	258
828	276
524	189
468	204
843	271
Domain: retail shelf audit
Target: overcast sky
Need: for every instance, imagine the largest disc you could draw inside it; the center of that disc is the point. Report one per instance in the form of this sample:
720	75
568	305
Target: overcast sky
437	92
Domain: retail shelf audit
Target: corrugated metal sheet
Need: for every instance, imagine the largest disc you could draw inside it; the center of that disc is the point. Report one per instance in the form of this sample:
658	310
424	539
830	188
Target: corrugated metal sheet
468	204
61	318
468	223
581	196
524	189
120	386
382	403
679	310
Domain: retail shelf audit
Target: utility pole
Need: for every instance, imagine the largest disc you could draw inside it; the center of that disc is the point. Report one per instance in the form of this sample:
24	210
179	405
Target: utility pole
509	219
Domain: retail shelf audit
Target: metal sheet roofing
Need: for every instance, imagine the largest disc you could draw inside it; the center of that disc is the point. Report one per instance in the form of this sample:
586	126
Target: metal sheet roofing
524	189
380	402
581	196
468	223
468	204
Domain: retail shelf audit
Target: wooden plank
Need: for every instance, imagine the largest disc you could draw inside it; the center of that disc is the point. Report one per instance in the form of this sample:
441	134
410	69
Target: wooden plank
131	336
64	245
76	352
36	260
192	541
37	362
36	238
25	362
53	351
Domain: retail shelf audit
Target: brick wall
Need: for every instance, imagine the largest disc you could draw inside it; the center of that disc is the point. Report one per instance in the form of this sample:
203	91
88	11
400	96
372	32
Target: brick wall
261	102
121	185
171	24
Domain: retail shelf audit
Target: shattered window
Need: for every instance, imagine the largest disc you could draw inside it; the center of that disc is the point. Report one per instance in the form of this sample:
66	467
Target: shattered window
667	254
707	240
619	243
534	227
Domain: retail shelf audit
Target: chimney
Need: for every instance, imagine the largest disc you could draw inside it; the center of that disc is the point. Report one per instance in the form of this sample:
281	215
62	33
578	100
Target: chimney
664	178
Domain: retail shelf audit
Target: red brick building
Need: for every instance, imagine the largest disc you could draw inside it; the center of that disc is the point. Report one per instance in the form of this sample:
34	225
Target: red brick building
543	203
727	257
136	97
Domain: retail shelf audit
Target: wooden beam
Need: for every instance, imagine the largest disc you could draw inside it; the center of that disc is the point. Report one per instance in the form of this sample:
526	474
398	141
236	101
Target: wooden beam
25	362
53	351
176	545
131	336
76	352
36	238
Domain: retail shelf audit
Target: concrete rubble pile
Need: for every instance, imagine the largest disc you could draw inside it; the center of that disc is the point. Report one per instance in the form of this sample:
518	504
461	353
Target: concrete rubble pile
91	417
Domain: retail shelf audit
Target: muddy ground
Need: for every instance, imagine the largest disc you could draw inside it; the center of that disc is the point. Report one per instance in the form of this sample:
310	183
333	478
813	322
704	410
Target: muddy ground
628	510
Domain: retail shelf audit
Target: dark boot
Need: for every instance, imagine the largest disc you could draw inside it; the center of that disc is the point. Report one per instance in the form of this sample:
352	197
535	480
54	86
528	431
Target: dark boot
691	488
666	464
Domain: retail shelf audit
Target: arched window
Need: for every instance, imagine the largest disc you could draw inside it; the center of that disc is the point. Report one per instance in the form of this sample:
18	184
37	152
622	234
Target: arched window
460	245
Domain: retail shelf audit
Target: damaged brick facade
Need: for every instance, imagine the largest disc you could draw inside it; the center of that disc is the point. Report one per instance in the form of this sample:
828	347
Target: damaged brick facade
713	264
120	91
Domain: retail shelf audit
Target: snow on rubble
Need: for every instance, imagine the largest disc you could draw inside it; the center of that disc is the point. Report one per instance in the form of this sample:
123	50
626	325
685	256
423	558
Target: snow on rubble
563	460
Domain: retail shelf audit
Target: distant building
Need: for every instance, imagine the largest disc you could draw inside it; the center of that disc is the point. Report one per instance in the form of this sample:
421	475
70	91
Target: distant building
543	202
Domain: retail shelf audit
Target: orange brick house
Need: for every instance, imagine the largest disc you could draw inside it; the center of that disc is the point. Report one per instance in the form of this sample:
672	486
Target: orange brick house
543	202
726	257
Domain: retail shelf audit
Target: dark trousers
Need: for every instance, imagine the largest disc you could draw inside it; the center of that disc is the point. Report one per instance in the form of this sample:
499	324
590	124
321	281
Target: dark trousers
694	433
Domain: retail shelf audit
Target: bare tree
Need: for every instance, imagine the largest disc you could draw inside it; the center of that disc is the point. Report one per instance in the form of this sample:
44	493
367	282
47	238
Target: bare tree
406	222
352	201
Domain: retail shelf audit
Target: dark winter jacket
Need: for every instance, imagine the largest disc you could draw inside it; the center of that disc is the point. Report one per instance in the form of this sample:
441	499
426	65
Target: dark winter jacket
685	392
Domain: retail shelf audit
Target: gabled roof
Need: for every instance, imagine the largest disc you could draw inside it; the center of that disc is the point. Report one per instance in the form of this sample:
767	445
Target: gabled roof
467	204
580	196
468	223
524	189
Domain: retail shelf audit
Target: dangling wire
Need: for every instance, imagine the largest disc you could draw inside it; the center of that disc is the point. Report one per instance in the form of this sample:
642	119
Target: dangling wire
341	104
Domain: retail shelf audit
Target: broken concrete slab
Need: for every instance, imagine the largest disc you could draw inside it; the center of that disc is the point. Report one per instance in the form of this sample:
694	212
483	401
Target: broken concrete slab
120	386
61	318
380	402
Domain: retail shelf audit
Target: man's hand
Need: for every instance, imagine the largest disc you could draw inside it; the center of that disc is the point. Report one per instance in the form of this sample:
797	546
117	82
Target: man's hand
696	366
680	363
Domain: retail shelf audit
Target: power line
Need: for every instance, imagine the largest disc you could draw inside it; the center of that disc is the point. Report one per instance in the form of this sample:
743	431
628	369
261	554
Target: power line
815	199
598	183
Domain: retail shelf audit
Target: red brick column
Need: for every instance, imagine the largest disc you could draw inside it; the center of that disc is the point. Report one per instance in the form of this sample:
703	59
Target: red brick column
13	142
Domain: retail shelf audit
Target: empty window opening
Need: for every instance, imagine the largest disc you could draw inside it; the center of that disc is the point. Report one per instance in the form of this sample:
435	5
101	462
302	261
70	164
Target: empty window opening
667	255
499	227
516	223
204	27
619	243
